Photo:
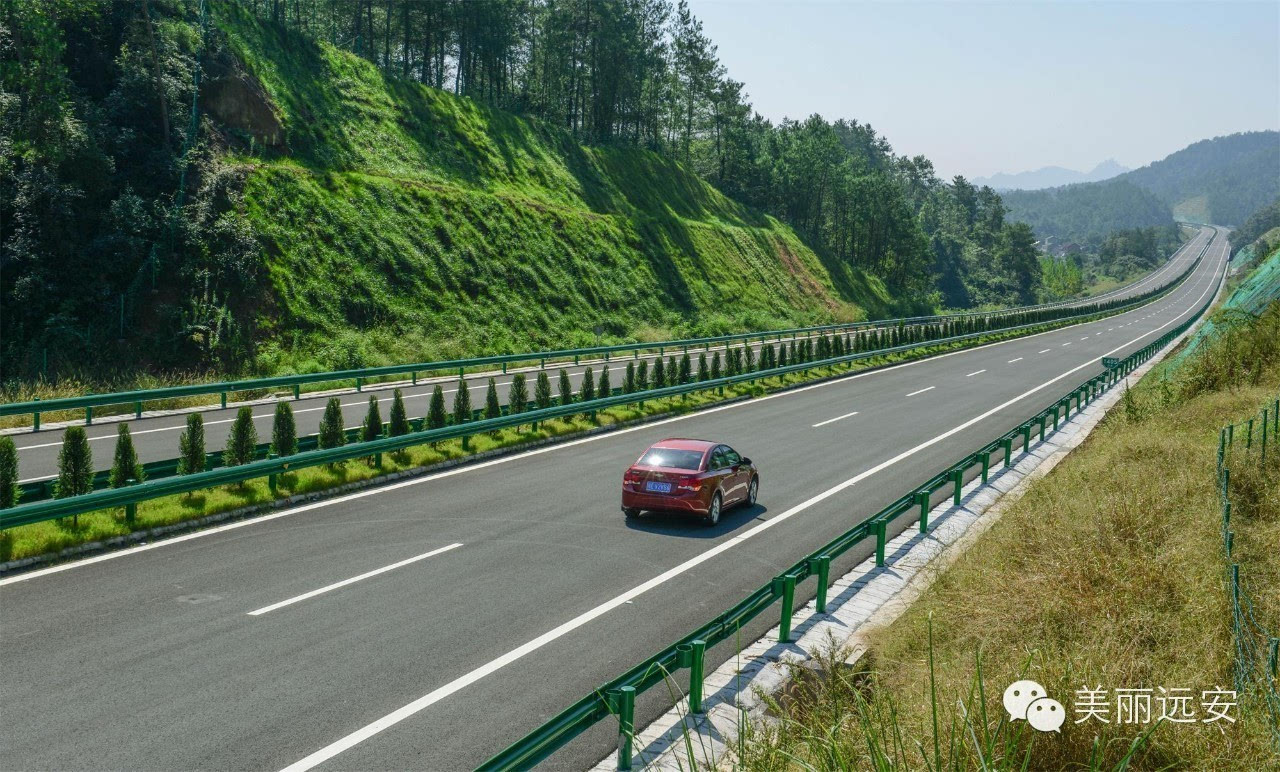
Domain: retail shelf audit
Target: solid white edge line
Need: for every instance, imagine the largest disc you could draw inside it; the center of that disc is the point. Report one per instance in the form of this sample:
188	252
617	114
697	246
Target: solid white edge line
352	580
429	699
833	420
507	459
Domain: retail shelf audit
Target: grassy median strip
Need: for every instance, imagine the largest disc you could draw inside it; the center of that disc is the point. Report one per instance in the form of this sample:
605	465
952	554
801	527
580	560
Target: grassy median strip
51	537
1109	573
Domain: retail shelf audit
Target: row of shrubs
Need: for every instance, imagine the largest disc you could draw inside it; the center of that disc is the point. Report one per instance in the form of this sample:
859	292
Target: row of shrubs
75	460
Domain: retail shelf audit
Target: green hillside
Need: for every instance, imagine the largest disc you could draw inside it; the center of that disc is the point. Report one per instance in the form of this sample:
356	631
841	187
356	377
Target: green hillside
1221	180
402	222
1087	211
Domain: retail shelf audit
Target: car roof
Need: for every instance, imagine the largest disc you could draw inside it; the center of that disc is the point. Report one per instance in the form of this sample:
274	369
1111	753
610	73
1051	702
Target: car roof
680	443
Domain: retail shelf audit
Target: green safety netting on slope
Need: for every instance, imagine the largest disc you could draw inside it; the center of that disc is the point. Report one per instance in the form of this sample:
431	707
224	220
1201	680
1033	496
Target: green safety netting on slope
1258	289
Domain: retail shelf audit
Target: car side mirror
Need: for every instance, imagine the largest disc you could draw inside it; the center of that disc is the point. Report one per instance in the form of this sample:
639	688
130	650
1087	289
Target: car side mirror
746	460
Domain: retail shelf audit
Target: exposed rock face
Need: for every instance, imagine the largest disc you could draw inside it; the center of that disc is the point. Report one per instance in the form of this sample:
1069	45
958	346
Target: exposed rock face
236	100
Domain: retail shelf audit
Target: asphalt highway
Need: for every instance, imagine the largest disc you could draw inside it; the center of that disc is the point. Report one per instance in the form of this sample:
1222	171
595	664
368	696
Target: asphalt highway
429	623
156	437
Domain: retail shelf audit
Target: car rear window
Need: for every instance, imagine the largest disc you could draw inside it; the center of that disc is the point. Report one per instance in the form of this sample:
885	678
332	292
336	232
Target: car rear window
671	457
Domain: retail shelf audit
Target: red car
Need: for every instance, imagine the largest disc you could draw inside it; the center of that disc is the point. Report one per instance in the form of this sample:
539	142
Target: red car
694	476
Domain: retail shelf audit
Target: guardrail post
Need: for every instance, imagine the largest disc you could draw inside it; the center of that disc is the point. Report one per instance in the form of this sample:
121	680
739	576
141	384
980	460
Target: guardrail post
1273	656
272	480
696	661
297	391
88	416
504	365
986	464
223	400
821	567
958	477
130	509
788	587
35	421
137	409
1235	587
1231	434
922	500
881	528
1248	437
359	384
625	703
1007	443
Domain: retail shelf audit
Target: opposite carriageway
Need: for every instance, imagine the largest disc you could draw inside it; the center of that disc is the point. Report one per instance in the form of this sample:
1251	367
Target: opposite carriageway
156	436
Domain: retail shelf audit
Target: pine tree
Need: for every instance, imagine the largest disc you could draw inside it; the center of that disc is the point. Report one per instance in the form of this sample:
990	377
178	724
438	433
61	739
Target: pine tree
492	408
686	368
588	390
8	473
642	376
673	372
191	452
748	357
629	379
284	431
542	391
125	467
659	373
604	388
332	433
794	353
782	355
566	388
462	403
371	429
75	464
716	372
243	440
436	417
703	372
399	423
518	394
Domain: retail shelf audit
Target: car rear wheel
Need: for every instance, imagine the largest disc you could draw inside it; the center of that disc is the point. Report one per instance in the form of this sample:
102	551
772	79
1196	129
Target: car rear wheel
713	514
631	513
753	490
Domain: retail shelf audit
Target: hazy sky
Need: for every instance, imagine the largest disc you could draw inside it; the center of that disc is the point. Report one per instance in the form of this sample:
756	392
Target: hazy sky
986	87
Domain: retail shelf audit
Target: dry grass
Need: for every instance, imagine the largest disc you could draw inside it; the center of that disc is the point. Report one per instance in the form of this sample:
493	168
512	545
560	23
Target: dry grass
1109	572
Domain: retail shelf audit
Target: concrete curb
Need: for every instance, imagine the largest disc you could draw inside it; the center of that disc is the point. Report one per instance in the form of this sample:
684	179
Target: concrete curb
865	599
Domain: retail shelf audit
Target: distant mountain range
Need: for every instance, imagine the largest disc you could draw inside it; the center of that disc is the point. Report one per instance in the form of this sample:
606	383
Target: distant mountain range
1051	177
1221	181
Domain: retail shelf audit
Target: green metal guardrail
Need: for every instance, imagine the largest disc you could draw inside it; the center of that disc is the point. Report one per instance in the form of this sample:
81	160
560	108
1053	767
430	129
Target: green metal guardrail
166	482
140	397
617	697
1257	660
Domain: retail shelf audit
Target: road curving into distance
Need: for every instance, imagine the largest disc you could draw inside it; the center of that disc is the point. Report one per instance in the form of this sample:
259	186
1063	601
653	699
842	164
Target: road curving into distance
430	622
156	437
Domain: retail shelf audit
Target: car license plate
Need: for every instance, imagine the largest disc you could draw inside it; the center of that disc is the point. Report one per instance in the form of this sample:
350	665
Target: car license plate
658	487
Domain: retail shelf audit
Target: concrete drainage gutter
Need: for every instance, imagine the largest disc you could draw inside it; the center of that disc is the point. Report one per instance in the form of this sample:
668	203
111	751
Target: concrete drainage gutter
862	600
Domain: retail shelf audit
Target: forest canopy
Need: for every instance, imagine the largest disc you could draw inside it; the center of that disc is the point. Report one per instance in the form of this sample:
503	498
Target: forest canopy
122	202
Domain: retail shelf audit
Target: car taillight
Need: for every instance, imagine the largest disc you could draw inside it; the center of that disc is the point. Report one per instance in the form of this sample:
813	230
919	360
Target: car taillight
689	484
631	478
